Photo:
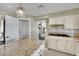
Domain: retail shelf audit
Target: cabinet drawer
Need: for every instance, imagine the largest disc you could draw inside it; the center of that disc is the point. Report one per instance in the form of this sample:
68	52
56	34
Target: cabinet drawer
61	45
52	44
70	47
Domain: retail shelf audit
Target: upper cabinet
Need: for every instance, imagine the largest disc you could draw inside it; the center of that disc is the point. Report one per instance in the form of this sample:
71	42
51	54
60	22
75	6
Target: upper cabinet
51	21
59	20
56	20
71	22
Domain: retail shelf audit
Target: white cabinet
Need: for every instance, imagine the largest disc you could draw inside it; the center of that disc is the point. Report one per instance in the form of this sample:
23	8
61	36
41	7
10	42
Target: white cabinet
59	20
77	47
61	44
56	20
51	21
70	46
52	42
56	43
71	22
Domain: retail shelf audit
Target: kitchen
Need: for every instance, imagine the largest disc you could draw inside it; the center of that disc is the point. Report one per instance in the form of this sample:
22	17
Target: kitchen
38	33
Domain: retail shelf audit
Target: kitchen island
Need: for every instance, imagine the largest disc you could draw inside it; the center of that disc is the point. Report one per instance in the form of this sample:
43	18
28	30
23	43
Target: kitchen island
66	44
23	47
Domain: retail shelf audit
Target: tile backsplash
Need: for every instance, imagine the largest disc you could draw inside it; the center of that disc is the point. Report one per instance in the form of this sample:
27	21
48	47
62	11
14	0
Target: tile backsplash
69	32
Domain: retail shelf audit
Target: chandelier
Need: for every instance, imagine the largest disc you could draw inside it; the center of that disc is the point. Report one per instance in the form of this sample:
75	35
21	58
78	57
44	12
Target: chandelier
20	12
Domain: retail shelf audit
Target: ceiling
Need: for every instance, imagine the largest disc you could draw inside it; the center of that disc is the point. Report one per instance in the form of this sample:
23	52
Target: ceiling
35	9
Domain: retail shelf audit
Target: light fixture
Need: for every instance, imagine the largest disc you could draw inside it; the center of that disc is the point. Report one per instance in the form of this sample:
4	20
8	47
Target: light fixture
20	12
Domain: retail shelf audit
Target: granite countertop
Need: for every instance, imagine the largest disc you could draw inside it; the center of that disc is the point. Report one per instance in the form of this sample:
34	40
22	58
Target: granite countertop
23	47
58	34
75	36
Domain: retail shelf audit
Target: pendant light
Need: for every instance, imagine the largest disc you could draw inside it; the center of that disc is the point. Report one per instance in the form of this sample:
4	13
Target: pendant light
20	12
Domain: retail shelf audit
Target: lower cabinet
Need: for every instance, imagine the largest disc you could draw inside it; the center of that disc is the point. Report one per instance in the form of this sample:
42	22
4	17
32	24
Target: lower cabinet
52	43
62	44
70	46
77	48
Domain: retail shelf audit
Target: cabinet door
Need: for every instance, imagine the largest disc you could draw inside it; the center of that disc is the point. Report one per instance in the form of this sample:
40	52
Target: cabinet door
76	22
69	22
61	44
77	47
51	21
70	48
72	22
52	43
59	20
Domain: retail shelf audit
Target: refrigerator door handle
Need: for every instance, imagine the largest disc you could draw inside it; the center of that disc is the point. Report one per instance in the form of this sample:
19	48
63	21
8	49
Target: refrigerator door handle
7	37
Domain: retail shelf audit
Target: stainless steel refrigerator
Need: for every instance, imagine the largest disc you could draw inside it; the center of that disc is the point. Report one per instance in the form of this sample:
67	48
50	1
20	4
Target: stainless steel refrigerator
8	29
